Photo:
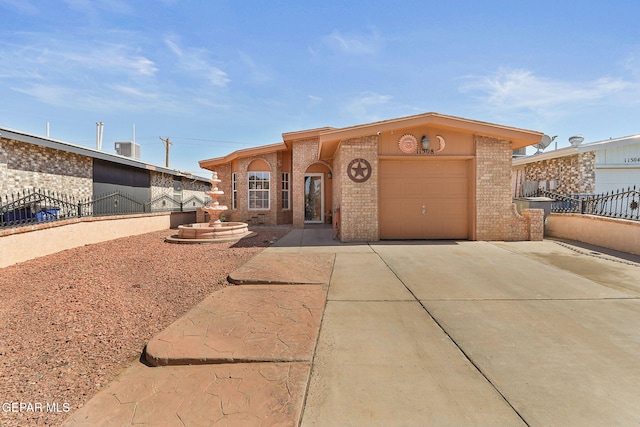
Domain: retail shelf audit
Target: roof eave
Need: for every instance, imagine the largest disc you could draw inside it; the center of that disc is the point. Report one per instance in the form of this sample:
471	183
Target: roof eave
89	152
555	154
238	154
519	137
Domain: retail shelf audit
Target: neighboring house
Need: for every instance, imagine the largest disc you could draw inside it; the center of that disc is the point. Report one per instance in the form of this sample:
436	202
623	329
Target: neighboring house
594	168
30	162
428	176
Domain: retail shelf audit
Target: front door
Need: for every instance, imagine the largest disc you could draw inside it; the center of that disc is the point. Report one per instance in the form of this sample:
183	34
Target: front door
313	198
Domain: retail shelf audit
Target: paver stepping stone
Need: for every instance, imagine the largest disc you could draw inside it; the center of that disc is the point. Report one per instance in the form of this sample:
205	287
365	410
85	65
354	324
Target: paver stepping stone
250	394
280	268
244	324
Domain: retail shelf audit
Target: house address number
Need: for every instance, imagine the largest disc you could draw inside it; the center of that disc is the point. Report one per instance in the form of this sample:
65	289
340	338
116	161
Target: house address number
632	160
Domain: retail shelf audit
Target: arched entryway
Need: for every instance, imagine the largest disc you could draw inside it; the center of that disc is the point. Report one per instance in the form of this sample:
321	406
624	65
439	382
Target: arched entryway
318	194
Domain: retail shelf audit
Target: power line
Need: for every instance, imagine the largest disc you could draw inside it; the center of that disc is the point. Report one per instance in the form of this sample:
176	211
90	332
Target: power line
212	140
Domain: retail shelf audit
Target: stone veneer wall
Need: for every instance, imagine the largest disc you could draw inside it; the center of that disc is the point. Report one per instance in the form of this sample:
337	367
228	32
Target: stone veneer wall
161	184
496	215
359	201
192	188
573	174
26	166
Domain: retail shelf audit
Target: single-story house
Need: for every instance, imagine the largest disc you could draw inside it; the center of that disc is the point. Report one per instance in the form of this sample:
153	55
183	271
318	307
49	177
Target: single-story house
30	162
594	168
428	176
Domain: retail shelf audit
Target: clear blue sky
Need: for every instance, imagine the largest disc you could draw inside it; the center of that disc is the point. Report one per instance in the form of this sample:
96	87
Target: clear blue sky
217	76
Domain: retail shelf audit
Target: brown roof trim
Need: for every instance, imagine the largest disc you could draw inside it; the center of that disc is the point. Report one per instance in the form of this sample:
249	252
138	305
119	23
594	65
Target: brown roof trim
246	152
519	137
305	134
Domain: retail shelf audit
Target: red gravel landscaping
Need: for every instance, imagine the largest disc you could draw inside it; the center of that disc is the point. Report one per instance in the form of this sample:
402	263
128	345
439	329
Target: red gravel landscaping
72	321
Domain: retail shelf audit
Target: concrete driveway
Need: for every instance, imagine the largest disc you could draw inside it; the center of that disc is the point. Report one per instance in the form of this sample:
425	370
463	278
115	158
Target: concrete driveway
474	333
318	333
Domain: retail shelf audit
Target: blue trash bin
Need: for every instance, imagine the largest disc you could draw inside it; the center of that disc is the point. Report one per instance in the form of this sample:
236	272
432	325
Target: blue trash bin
47	214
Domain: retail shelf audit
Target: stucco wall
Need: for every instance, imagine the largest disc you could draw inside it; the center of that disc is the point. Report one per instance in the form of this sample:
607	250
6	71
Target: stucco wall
43	239
618	234
26	166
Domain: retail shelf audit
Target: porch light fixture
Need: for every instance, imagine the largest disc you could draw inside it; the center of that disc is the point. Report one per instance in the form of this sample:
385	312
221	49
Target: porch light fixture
329	175
425	142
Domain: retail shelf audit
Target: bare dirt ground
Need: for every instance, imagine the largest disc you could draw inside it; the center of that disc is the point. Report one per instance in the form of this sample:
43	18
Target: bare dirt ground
72	321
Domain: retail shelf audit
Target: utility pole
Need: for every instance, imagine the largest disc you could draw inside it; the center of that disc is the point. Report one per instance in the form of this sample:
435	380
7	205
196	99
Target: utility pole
166	144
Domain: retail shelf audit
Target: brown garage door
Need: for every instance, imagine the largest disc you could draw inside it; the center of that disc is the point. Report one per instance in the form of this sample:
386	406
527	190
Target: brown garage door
426	199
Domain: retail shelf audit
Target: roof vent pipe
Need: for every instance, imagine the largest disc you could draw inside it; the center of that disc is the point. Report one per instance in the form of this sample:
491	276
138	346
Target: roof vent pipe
576	140
99	133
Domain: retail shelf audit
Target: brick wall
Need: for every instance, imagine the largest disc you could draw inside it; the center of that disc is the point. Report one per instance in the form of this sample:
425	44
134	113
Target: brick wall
305	153
573	174
275	214
243	213
496	215
358	201
285	216
339	174
26	166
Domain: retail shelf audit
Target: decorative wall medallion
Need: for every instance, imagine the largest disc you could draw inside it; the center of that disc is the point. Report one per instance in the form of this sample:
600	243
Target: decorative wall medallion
408	144
359	170
442	143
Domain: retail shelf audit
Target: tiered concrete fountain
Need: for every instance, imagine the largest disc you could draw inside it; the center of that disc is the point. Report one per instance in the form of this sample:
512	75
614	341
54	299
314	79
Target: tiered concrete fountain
215	230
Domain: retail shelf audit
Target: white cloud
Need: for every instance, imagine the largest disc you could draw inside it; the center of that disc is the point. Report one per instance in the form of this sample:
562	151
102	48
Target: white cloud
365	106
22	6
173	47
217	77
257	73
63	59
92	8
315	99
195	61
133	91
48	94
521	90
352	44
79	74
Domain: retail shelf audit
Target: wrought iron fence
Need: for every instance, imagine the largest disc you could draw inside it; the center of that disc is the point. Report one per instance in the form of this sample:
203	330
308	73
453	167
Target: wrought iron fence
561	203
624	204
29	206
620	204
115	203
34	206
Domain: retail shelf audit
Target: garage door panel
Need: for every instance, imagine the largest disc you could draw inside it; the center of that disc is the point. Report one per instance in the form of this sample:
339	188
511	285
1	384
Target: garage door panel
440	187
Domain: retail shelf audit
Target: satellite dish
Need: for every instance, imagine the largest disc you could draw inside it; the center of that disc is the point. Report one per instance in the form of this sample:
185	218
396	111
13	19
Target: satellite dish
544	143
